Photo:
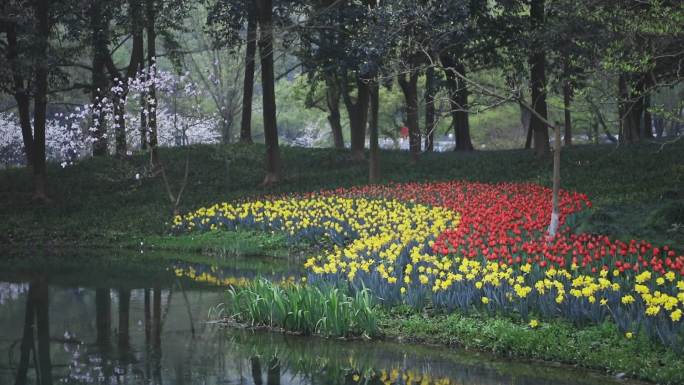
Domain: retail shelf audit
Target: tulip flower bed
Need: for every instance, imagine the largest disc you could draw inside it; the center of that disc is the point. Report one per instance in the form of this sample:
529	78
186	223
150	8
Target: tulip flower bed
465	246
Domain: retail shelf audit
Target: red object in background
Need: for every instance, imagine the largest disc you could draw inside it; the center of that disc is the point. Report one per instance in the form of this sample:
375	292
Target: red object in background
403	132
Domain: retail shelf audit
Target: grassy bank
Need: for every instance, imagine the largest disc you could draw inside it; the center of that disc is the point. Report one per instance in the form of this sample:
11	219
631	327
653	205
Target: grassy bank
241	243
330	312
637	191
600	347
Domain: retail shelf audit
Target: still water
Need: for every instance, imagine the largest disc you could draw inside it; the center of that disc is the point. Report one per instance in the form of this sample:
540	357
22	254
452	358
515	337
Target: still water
110	325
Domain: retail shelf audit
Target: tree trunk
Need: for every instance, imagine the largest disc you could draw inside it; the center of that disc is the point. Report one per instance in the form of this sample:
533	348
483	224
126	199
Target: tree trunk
27	340
374	147
461	119
136	63
458	102
42	309
629	116
659	123
358	116
409	86
595	132
265	15
156	319
332	97
20	93
538	83
24	107
40	101
143	121
567	101
147	314
103	318
151	102
119	114
623	95
644	103
226	130
555	213
525	117
648	118
99	44
429	108
636	113
156	348
124	321
248	85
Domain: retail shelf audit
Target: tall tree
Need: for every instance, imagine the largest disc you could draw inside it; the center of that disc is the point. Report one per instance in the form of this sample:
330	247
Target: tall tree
568	93
374	146
151	102
332	98
357	109
248	87
462	38
538	79
409	86
124	321
36	327
264	10
132	23
103	315
430	91
99	29
639	44
458	100
336	48
27	63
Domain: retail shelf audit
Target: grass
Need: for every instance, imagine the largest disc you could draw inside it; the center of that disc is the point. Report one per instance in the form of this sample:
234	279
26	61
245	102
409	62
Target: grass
599	347
637	190
306	309
241	243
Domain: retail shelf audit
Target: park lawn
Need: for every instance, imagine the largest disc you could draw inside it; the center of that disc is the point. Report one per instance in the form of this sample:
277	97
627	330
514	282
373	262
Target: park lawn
637	190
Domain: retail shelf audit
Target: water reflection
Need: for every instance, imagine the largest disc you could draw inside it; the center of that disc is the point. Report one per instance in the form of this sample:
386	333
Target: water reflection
35	340
156	333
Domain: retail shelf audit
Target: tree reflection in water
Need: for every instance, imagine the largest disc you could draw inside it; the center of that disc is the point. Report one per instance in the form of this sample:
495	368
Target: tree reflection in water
36	327
126	335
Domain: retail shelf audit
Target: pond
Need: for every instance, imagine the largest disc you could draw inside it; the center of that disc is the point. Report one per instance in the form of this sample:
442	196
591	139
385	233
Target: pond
89	322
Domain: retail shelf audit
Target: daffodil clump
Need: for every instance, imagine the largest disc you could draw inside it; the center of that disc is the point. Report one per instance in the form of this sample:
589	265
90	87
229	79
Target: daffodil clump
652	303
336	220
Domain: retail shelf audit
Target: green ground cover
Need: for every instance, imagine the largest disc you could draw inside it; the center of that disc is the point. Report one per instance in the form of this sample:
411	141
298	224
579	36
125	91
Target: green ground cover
600	347
638	191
